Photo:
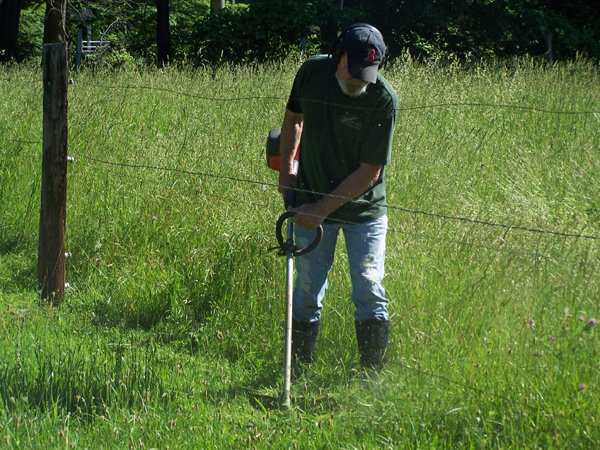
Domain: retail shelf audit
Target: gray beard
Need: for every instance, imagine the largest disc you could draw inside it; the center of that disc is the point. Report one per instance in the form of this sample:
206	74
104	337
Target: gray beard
351	92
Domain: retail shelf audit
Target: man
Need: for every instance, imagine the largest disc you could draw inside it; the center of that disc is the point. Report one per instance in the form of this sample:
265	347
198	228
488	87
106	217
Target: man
340	116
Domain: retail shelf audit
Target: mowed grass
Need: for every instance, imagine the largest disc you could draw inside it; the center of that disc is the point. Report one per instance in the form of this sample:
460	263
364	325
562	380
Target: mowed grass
171	334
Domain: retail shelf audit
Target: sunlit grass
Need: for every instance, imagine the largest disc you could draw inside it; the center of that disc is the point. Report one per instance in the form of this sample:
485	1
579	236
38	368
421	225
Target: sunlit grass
171	334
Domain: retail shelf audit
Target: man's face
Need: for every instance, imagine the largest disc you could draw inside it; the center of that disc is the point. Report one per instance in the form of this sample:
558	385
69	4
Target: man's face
353	87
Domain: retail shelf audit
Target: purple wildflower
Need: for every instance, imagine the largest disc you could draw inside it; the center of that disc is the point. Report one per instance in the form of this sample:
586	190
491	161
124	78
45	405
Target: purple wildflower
581	318
552	338
592	322
582	387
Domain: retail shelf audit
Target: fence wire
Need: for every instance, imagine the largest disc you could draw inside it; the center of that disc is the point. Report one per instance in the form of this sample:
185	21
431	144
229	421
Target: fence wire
484	105
276	186
421	212
398	109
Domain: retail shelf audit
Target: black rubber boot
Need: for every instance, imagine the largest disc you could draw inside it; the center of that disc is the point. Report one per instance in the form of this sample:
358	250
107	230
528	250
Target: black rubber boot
372	339
304	341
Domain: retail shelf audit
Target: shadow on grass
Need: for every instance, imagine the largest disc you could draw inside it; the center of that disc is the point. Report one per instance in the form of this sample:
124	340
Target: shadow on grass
264	392
18	273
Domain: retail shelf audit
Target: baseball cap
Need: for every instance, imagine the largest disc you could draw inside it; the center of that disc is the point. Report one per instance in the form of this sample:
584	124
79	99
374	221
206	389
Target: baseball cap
363	43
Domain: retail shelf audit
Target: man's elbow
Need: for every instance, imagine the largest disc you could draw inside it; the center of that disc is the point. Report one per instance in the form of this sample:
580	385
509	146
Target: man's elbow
372	172
294	117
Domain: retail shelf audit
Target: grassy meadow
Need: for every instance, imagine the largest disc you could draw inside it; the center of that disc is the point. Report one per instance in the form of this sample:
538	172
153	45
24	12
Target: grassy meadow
171	333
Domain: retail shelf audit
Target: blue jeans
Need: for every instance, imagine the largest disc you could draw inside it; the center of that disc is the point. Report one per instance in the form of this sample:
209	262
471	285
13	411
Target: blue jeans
365	244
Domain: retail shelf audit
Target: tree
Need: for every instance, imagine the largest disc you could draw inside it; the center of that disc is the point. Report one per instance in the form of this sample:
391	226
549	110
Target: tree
10	13
163	34
10	20
259	30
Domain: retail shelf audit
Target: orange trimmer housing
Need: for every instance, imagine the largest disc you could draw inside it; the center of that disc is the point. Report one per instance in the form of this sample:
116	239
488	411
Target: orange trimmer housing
273	157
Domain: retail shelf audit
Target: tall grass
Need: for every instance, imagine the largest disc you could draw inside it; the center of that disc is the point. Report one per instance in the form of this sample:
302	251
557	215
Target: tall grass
171	335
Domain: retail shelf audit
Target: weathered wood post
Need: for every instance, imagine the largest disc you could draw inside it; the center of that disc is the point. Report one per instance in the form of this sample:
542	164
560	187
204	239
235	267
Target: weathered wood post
216	5
51	248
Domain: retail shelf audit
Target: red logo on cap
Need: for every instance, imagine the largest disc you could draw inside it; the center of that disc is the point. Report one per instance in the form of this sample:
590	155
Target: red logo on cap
371	55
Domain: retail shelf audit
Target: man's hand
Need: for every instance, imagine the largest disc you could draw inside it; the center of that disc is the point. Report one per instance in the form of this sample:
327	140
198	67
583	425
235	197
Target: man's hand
309	215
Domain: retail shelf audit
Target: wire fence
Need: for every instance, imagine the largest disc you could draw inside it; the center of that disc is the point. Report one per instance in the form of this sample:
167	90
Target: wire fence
275	186
507	227
118	167
266	205
402	108
105	164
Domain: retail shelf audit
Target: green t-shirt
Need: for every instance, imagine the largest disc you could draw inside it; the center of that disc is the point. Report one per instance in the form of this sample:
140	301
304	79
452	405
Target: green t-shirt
339	133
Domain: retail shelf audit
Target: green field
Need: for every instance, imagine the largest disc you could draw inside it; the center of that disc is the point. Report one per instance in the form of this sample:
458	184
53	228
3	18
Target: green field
171	334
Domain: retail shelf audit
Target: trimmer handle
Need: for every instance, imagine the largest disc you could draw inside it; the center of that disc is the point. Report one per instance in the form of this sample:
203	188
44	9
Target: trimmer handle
289	246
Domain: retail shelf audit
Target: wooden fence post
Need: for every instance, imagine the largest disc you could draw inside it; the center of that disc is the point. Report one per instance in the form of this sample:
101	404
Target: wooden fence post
51	249
216	5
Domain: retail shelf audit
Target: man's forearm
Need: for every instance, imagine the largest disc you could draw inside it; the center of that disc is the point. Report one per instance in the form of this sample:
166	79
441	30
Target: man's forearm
311	215
355	184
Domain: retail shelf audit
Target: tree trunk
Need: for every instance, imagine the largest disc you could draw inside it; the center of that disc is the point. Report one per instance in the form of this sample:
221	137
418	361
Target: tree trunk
329	29
163	33
10	14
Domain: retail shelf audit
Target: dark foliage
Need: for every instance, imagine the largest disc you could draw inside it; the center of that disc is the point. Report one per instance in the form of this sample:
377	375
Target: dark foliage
263	30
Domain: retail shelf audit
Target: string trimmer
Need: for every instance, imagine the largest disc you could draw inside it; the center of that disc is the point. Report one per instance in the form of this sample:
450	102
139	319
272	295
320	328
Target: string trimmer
288	249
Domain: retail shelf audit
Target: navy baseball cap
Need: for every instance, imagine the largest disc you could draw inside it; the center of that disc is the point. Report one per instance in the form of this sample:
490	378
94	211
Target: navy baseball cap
363	43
